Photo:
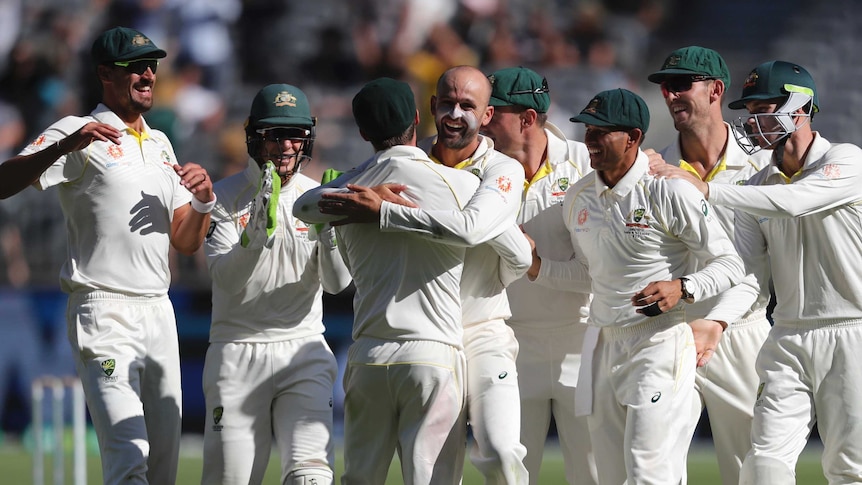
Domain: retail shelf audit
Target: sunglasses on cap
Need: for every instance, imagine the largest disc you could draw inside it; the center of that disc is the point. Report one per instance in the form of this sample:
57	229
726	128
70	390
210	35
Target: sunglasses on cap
139	66
681	84
540	90
276	133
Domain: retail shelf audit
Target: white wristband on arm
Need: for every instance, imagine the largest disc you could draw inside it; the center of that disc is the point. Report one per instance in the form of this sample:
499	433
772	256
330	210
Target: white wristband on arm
204	207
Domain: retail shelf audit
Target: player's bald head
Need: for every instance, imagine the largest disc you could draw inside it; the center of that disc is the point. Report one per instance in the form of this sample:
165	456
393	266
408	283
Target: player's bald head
465	78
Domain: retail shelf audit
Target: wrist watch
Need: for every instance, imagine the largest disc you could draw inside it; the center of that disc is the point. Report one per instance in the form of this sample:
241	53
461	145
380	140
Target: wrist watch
687	295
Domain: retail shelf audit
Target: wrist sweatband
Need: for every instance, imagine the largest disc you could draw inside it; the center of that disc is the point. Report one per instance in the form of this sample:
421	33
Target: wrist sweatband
204	207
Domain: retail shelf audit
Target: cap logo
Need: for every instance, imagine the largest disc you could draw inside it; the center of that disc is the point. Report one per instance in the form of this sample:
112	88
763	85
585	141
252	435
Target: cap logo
492	79
140	40
751	80
594	106
285	99
671	61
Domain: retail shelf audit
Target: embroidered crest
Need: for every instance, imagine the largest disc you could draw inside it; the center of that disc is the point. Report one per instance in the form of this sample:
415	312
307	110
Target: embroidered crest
284	98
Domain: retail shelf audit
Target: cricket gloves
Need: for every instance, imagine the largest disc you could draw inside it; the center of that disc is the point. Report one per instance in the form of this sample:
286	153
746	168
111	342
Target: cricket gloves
262	221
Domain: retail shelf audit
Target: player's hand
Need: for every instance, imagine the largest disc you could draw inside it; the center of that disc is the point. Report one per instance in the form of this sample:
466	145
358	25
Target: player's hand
667	170
362	204
89	133
655	158
665	294
707	334
196	179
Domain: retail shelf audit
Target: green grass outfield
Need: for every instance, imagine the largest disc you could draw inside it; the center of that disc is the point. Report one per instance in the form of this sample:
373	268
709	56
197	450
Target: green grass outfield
16	463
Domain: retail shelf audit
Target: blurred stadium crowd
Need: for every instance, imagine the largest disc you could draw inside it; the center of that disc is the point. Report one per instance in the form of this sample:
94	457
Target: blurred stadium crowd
220	52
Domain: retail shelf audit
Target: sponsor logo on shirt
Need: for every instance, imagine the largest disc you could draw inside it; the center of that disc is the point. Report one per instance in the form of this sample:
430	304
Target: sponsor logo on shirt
243	219
582	217
38	141
831	170
115	151
504	184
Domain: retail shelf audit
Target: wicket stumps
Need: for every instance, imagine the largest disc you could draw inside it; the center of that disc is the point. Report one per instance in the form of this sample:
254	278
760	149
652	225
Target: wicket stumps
57	387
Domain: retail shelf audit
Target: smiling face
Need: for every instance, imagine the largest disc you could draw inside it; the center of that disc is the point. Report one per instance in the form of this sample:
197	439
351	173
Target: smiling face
127	93
613	150
460	107
688	100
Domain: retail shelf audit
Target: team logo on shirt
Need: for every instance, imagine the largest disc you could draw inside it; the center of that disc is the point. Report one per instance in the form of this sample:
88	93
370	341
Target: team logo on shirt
638	218
757	400
476	172
108	366
166	158
115	151
560	186
218	412
741	182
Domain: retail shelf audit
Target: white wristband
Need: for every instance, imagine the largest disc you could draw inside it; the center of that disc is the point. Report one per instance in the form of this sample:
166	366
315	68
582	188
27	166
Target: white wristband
204	207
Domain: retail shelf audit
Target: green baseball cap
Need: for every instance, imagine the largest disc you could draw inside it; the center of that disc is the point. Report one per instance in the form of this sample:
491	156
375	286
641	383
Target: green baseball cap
776	79
615	107
280	105
693	61
519	86
123	44
384	108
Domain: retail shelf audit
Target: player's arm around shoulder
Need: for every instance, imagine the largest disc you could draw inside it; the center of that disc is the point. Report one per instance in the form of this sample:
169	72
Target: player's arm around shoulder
689	217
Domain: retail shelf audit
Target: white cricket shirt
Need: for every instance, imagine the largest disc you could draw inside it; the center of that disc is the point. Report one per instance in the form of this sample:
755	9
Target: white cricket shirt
267	294
487	224
537	304
119	201
807	230
641	230
734	168
407	287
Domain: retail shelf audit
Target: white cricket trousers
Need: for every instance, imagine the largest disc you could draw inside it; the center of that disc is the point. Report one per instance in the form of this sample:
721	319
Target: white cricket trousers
494	403
127	356
255	390
548	362
727	386
643	387
409	396
809	371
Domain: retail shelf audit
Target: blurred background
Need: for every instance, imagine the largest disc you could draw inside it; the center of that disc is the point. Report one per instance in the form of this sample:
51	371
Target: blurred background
220	52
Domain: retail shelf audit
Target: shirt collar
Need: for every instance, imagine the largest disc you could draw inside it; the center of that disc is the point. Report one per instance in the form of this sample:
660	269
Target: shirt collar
629	180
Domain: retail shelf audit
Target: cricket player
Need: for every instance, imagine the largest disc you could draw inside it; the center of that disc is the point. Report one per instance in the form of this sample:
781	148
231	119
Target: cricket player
126	201
797	221
633	236
728	336
549	322
405	379
460	108
268	369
